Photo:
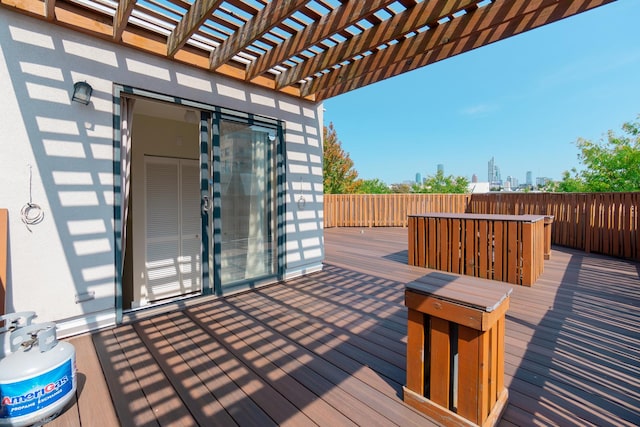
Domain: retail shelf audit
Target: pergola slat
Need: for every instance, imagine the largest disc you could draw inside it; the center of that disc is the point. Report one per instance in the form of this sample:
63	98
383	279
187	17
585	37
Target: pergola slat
125	7
466	41
266	19
50	9
331	23
318	48
195	16
410	20
488	16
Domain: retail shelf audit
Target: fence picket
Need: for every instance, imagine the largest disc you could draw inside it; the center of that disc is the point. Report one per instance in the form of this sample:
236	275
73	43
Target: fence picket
604	223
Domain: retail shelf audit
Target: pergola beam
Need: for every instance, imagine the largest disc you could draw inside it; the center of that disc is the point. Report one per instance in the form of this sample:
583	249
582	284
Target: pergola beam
189	24
535	14
425	13
421	34
50	10
125	7
336	20
486	17
256	27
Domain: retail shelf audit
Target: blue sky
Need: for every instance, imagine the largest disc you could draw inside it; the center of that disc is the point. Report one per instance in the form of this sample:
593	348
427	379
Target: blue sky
524	101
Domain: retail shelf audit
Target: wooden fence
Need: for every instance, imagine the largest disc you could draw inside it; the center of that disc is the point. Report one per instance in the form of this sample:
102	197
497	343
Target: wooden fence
386	210
605	223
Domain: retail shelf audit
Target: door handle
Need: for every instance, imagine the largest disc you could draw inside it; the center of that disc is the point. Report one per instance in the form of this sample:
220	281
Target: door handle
206	204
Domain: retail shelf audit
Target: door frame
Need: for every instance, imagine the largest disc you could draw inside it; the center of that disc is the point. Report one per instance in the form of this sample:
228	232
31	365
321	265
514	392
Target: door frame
210	116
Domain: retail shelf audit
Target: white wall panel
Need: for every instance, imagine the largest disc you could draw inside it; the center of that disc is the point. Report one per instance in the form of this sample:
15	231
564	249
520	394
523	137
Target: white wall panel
46	140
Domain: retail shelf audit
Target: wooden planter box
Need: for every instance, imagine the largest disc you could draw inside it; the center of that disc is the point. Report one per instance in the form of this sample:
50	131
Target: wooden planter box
455	349
508	248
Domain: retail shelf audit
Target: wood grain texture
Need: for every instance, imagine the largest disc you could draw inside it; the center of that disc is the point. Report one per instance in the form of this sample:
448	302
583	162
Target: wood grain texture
572	346
516	256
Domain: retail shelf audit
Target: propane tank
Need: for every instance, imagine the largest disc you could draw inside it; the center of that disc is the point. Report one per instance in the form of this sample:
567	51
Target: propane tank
13	321
37	377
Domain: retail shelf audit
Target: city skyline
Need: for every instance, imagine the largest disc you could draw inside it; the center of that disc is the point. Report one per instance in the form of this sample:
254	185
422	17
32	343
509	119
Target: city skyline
525	100
528	179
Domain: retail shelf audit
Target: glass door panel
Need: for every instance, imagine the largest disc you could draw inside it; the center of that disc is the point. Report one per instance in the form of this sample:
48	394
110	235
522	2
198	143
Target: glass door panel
247	204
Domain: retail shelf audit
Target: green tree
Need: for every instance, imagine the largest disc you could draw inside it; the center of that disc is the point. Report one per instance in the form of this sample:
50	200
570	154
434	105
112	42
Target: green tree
339	175
439	183
609	165
570	183
400	188
373	186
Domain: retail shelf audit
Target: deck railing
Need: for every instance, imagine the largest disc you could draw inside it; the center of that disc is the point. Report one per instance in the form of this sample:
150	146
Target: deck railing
605	223
386	210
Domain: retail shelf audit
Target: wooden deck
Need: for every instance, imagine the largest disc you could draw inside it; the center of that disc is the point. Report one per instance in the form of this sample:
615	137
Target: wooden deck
329	349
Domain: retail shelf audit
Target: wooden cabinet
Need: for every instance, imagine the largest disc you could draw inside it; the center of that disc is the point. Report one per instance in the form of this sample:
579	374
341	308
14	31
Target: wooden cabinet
455	348
508	248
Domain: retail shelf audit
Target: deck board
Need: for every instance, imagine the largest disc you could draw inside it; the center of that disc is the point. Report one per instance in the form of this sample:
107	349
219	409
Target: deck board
329	348
93	404
286	401
145	395
292	360
129	402
181	359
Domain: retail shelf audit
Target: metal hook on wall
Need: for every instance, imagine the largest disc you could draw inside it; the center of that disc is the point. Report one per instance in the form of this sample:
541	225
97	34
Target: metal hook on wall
31	213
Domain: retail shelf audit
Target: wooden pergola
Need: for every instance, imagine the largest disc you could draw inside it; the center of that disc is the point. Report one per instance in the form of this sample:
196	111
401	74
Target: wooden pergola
314	49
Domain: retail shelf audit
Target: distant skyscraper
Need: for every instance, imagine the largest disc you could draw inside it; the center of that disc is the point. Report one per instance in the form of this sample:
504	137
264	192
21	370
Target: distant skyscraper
474	178
541	181
493	173
490	170
440	168
418	178
529	178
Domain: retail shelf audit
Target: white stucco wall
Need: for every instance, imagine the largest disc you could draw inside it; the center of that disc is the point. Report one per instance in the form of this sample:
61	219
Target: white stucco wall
68	147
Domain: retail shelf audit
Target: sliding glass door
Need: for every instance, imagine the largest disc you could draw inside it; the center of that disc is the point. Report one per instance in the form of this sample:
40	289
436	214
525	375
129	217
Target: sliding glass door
200	218
247	203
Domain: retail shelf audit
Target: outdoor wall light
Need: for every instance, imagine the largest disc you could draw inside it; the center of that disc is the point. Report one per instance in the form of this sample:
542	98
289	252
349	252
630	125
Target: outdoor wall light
82	92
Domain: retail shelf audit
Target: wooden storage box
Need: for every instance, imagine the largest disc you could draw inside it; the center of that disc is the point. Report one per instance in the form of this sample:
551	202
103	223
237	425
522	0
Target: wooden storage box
455	348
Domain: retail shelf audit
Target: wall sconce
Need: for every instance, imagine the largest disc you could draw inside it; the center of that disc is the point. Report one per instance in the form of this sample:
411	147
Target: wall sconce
82	92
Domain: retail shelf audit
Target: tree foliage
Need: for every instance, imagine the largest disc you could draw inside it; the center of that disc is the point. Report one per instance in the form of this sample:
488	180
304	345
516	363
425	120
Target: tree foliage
609	165
400	188
340	177
373	186
571	182
439	183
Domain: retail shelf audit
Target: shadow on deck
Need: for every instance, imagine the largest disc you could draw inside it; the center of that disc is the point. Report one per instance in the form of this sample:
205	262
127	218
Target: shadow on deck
329	348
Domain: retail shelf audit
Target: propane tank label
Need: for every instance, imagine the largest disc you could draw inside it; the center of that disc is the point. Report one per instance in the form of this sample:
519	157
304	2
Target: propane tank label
31	395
